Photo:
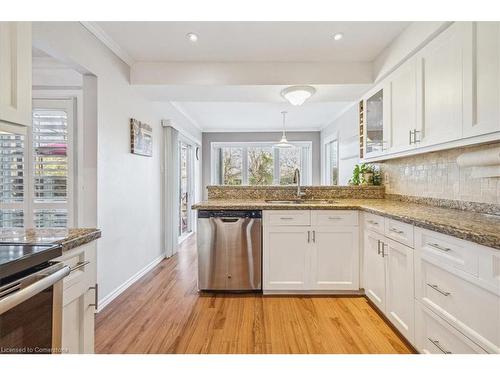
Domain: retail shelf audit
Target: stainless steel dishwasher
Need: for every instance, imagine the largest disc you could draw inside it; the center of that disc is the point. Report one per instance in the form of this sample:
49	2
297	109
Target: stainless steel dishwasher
229	250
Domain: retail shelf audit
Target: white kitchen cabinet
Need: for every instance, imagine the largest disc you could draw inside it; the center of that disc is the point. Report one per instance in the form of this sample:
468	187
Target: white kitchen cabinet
79	299
399	291
443	90
286	254
485	63
15	73
374	269
320	256
335	258
402	93
377	130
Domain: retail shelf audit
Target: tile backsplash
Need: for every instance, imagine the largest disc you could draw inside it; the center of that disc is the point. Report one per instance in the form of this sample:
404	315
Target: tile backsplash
437	175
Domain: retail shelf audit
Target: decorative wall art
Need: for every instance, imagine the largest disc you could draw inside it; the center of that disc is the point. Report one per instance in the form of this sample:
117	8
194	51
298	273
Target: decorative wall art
141	138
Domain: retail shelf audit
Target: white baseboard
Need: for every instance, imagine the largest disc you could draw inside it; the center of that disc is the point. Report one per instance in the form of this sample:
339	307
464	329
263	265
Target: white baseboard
115	293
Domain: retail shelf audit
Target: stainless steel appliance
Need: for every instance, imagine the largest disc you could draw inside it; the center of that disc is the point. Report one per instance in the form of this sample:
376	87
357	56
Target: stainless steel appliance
230	250
30	299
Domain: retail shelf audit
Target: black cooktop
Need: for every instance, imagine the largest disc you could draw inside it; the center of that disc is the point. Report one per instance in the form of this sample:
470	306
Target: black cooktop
16	257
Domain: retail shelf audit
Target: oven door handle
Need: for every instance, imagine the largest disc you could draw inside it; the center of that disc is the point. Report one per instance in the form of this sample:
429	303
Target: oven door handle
16	298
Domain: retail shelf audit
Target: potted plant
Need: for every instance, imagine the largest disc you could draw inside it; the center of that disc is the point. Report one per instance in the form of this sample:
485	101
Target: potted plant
364	174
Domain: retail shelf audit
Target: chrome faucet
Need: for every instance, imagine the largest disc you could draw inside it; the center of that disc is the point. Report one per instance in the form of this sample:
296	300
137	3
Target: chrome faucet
296	179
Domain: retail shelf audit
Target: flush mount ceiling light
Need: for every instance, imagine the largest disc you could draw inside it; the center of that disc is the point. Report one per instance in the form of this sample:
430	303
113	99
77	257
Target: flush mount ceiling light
338	36
297	95
192	37
283	143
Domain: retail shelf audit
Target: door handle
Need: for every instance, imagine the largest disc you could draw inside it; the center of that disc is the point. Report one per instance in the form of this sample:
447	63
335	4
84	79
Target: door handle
378	247
438	289
314	236
308	236
96	298
438	345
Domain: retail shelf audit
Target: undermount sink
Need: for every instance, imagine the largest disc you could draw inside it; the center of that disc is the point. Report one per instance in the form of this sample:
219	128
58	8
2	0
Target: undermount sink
302	201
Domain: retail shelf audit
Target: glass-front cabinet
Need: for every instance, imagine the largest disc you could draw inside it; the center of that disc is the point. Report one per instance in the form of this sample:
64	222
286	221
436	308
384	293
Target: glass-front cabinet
375	123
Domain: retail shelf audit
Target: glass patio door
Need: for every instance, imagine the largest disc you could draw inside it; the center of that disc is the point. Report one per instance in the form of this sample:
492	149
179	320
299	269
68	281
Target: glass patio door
185	190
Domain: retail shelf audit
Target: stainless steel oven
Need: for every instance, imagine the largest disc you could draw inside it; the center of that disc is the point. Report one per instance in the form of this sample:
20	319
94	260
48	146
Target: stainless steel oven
31	310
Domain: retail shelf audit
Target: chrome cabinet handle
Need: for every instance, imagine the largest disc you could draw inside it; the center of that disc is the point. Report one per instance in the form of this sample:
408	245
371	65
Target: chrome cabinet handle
396	231
378	247
96	289
79	265
439	346
383	250
308	236
314	236
334	218
437	289
411	132
286	218
373	222
439	247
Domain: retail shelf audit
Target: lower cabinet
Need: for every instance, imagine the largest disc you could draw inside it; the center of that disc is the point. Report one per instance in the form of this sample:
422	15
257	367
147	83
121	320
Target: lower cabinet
301	256
79	299
434	336
335	258
286	257
388	280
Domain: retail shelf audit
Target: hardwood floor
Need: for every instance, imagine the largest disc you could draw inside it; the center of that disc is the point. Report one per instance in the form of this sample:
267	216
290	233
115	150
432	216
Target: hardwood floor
164	313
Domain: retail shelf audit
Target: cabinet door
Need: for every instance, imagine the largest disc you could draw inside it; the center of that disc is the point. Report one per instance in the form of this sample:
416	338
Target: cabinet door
335	258
399	307
486	79
403	106
78	324
15	72
440	66
374	269
286	257
376	113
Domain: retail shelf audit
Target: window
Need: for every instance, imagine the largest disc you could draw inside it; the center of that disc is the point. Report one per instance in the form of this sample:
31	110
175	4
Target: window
36	183
332	162
259	163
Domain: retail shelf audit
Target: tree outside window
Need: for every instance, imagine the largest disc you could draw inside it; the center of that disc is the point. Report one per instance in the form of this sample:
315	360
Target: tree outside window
232	166
289	160
260	166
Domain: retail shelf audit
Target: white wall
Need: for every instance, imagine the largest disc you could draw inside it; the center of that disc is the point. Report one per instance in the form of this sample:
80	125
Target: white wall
128	186
345	129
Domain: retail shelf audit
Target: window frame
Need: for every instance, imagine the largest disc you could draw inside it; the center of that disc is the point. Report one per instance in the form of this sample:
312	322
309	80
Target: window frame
328	169
305	168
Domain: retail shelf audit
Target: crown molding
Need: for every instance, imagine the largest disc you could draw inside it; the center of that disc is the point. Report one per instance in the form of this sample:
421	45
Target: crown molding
186	115
102	36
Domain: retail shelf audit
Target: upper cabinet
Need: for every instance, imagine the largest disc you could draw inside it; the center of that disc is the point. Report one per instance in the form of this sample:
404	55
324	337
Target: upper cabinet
442	92
485	67
446	95
15	73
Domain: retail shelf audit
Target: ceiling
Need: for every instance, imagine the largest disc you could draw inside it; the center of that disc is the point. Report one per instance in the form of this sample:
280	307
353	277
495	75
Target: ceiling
252	41
234	116
251	107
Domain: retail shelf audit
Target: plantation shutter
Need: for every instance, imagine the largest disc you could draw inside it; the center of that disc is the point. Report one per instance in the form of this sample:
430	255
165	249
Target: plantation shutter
51	162
12	180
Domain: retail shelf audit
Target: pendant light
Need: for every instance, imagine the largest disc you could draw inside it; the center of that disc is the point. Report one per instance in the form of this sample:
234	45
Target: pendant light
283	143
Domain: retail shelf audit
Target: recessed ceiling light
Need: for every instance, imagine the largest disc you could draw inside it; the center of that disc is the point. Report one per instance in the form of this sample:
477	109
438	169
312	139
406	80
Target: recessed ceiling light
192	37
338	36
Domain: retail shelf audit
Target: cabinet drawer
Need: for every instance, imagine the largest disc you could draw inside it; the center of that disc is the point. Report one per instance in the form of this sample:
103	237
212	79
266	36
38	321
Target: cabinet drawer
373	222
83	262
286	217
434	336
399	231
471	308
335	217
447	250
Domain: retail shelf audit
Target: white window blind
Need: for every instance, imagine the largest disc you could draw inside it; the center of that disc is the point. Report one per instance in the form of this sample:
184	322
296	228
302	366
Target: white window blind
51	145
37	169
12	180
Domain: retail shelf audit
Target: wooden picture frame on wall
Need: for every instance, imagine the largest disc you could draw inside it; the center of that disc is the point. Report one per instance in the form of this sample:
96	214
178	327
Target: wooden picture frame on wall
141	138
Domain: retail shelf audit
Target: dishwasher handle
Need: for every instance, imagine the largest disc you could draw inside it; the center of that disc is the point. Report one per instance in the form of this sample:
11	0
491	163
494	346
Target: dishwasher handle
229	219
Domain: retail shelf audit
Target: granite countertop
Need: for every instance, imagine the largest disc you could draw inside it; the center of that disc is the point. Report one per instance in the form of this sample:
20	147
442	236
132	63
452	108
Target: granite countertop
476	227
68	238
